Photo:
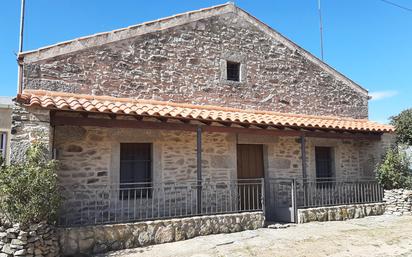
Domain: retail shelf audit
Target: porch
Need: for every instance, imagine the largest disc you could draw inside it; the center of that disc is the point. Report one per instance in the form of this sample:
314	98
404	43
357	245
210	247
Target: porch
126	160
230	173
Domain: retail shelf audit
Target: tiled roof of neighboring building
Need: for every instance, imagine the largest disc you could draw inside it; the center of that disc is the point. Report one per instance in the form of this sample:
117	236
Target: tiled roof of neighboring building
129	106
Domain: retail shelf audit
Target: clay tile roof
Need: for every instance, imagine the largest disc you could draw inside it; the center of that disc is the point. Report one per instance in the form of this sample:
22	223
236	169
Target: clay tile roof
129	106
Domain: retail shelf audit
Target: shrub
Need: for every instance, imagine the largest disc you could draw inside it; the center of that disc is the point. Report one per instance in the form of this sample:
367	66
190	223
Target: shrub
29	190
394	170
403	127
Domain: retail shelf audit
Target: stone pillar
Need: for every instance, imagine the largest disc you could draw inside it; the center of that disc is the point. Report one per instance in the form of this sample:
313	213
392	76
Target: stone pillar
29	125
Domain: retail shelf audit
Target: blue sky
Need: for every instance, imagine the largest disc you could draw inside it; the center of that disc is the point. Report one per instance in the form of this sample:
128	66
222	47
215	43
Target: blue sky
367	40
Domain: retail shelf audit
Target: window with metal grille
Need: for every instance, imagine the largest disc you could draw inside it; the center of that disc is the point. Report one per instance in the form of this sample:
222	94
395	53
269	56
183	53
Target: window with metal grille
324	161
135	170
3	145
233	71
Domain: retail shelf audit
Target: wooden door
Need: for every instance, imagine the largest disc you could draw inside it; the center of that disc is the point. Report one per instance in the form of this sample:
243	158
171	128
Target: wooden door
250	161
249	170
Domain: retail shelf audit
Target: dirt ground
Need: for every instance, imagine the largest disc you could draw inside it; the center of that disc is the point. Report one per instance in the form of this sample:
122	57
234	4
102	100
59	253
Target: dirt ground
371	236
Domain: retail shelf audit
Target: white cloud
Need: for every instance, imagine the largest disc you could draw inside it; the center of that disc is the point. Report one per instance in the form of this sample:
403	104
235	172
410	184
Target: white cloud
379	95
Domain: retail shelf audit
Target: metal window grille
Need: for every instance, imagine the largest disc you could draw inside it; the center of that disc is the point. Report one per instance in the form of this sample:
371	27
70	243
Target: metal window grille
233	71
135	170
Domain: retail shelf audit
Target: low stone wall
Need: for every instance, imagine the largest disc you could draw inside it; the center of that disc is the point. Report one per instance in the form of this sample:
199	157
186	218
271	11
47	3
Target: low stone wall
103	238
398	202
341	212
34	240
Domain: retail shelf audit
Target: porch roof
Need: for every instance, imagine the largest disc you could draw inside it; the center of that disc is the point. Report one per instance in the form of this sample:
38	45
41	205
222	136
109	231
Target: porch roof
140	107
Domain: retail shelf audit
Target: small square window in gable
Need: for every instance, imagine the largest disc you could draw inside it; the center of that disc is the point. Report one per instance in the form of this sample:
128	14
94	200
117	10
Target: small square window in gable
233	71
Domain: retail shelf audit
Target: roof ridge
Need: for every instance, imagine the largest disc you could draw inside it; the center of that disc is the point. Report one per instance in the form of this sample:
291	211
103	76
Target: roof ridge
182	105
134	26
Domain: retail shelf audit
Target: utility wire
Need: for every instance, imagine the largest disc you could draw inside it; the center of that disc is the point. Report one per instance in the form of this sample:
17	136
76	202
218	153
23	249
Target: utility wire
397	5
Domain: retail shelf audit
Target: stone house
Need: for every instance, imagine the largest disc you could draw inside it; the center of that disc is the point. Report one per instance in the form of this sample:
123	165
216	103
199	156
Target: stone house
206	112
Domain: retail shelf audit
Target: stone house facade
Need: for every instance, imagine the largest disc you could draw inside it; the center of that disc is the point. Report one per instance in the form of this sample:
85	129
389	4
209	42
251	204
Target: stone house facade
193	91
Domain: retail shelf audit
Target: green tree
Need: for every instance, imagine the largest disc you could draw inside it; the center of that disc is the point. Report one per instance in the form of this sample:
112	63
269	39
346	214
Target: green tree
29	190
394	170
403	127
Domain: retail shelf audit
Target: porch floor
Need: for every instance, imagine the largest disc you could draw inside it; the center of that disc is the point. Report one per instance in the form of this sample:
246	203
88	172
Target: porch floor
370	236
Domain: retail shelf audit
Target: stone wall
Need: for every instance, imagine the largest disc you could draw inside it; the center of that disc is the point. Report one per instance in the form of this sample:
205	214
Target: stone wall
90	167
186	63
28	126
398	202
341	212
90	155
103	238
284	158
352	158
371	152
32	241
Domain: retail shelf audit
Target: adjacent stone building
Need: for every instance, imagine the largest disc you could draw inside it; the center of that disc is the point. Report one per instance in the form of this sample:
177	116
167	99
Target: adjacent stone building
212	95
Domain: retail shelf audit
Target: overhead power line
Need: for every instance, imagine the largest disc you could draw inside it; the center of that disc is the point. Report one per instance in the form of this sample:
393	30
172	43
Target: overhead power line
397	5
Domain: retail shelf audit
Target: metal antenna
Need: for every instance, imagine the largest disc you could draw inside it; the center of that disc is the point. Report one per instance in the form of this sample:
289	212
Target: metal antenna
21	26
321	29
20	65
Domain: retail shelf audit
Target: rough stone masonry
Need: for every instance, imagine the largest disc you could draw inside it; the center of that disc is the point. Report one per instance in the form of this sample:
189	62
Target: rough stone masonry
34	240
103	238
398	202
340	212
186	63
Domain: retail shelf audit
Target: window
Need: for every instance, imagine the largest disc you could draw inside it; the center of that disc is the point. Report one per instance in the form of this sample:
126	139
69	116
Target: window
233	71
324	162
135	170
3	145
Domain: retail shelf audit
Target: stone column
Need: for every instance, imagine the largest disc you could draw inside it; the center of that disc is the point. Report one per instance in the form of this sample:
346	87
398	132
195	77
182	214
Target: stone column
29	125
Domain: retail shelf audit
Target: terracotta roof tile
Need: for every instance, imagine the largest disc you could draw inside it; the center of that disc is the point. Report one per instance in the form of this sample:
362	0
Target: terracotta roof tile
129	106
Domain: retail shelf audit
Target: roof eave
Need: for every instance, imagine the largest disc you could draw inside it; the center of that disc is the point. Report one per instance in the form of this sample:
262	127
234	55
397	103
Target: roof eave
112	105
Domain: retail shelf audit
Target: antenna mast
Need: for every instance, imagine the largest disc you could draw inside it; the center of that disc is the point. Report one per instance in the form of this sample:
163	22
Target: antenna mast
321	29
20	65
21	26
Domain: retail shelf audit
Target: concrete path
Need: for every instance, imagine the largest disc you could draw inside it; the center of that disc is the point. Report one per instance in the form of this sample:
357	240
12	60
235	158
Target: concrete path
370	236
